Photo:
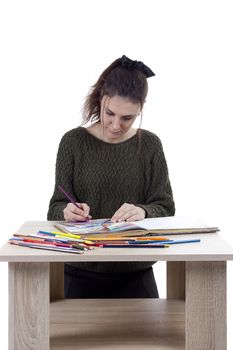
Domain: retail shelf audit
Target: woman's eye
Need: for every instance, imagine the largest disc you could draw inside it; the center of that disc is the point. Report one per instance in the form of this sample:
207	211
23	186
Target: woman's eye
109	113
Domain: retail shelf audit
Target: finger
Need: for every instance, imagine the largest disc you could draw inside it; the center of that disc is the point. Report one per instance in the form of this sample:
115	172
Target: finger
133	214
71	213
69	216
139	214
77	218
134	217
127	215
78	211
117	215
85	208
120	215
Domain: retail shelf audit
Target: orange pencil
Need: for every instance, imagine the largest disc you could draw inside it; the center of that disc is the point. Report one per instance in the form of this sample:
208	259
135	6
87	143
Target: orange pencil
152	238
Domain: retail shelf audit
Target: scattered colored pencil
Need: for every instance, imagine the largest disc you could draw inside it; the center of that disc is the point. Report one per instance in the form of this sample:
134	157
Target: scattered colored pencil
66	242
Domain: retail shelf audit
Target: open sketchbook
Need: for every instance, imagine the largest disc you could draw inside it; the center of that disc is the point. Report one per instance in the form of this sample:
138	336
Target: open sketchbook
164	225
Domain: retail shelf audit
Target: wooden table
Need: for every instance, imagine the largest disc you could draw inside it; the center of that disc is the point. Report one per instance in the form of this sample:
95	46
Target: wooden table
193	317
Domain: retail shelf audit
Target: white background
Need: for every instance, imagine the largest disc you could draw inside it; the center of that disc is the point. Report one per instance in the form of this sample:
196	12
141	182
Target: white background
53	51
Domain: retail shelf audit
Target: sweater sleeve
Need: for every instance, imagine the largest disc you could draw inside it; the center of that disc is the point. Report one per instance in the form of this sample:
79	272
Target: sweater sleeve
159	197
63	177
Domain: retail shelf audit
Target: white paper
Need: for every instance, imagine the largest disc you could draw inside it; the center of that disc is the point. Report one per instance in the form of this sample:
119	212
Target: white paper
170	222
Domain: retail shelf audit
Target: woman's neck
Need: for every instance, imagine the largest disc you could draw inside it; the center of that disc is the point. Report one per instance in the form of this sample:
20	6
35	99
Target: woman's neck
97	130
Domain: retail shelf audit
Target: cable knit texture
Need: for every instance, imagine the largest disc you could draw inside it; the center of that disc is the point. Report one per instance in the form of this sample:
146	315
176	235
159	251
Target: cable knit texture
106	175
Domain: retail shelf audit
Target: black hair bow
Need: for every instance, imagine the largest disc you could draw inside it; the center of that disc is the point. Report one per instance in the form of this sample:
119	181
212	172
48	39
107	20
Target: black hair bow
130	64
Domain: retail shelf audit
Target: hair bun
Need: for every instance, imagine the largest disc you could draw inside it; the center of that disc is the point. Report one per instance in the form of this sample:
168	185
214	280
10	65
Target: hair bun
130	64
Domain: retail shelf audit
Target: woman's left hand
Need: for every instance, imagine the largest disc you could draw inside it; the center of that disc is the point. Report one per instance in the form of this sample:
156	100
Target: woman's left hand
128	212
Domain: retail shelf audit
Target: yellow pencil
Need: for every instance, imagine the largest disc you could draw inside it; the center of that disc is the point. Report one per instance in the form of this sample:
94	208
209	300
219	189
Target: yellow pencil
61	234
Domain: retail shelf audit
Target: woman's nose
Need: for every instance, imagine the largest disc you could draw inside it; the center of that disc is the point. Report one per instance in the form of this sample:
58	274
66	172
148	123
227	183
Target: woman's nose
116	125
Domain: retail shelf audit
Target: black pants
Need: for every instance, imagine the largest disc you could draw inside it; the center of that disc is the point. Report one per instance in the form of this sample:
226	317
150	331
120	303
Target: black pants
85	284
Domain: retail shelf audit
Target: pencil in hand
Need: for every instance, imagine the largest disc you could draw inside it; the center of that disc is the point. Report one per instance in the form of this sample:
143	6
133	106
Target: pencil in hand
71	199
68	196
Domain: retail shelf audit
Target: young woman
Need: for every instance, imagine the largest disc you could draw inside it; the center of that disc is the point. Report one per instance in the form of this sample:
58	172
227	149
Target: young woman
114	171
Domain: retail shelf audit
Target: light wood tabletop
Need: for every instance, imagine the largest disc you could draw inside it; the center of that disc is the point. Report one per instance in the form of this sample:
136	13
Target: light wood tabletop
211	248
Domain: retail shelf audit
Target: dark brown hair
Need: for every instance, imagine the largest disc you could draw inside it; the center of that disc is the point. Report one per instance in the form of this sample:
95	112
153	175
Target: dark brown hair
115	80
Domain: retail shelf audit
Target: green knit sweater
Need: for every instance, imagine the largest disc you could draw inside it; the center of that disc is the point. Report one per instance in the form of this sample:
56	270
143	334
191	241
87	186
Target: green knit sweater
106	175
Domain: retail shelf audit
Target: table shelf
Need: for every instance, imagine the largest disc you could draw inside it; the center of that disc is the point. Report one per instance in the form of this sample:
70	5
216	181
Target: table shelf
120	324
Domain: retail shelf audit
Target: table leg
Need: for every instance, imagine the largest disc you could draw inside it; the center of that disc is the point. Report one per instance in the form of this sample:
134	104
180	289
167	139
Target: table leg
176	280
205	305
56	281
29	306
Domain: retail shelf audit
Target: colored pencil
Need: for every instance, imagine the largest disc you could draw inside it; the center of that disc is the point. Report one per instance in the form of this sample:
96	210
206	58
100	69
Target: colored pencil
61	234
135	246
68	196
184	241
123	238
47	247
150	242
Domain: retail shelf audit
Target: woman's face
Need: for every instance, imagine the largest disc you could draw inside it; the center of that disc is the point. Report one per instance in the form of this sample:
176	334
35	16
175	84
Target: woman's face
117	116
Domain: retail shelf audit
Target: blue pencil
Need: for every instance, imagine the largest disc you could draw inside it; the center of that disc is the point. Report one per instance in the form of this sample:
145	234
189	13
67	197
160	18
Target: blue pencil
151	242
48	233
150	245
166	242
184	241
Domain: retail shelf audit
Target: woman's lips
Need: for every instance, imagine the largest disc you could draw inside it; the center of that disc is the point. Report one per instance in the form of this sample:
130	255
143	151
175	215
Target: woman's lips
115	132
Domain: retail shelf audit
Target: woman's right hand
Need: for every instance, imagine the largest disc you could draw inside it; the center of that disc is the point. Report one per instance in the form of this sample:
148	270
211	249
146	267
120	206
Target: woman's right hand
72	213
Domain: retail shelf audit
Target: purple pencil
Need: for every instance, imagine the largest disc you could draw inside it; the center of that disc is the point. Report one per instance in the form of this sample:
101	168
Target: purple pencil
68	196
